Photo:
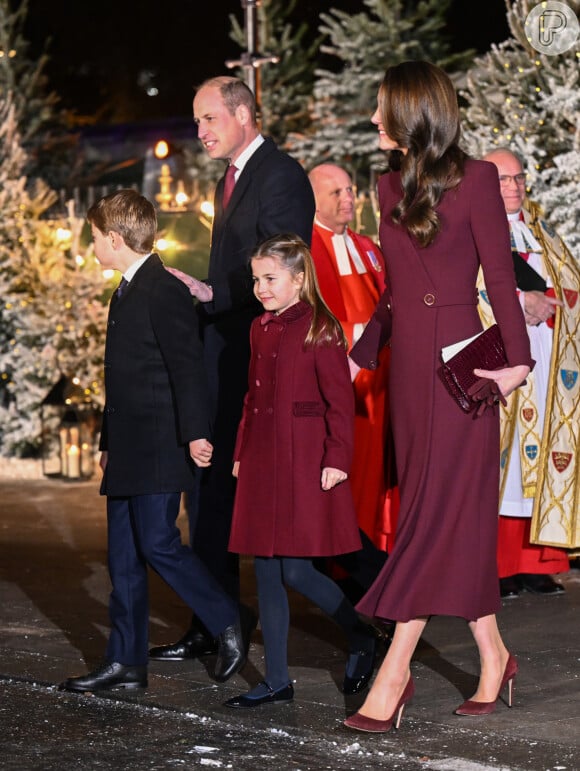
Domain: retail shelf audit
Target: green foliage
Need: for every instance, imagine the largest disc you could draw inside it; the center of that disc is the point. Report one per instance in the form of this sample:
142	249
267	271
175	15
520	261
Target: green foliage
362	45
20	76
517	97
285	86
52	319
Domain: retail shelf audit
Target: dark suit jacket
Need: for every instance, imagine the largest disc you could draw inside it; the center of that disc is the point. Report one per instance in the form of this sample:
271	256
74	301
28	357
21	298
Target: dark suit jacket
272	195
156	390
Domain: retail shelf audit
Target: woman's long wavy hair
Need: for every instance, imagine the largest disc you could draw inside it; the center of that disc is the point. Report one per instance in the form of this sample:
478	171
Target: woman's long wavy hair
419	111
294	255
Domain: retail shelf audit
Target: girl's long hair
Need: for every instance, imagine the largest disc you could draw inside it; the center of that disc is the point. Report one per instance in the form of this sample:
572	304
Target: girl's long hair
419	111
294	255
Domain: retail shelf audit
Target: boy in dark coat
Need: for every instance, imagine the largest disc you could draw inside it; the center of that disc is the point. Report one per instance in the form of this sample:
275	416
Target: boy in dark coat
155	428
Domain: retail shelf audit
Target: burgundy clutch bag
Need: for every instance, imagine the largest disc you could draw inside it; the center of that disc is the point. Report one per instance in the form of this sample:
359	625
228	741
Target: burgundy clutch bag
485	351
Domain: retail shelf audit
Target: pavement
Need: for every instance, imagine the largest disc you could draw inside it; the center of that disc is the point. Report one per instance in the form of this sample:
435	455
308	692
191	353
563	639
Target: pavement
54	623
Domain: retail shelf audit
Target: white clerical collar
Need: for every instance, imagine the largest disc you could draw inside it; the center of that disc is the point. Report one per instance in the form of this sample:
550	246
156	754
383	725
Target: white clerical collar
523	237
346	254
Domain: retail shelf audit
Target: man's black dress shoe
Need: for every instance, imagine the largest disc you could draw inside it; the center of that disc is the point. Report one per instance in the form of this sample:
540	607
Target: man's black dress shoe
282	695
198	642
106	677
509	588
232	652
194	643
360	665
540	584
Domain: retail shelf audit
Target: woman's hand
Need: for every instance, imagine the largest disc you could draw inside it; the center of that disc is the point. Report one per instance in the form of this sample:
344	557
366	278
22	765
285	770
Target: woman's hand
494	385
332	477
507	379
236	469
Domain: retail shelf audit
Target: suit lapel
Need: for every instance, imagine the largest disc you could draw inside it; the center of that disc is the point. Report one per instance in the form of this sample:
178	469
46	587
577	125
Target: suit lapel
244	180
142	274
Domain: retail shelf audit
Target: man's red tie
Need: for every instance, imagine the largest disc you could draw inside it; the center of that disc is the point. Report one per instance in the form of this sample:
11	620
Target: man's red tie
229	184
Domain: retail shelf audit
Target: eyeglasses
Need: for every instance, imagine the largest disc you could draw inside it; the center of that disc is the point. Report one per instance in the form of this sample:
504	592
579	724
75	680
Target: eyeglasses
519	179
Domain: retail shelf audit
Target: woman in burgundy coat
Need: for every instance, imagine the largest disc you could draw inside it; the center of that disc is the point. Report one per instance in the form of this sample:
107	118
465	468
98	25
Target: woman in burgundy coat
293	453
441	218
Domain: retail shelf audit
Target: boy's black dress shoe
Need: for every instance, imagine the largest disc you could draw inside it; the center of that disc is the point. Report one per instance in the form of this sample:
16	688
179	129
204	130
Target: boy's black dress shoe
107	676
194	643
540	584
246	701
234	644
198	642
232	652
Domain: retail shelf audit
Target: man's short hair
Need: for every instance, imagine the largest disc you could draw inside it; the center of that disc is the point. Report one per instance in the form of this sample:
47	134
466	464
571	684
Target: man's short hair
510	150
234	93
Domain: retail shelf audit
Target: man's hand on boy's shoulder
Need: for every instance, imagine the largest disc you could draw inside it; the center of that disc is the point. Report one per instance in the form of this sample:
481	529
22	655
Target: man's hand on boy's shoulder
197	288
201	451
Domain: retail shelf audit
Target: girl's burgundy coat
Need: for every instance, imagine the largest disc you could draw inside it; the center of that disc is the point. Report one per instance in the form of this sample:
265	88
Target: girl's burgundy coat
298	418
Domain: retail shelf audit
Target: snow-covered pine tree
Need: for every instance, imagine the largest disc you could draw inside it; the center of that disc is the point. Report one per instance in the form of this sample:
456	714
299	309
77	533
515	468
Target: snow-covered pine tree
286	86
52	149
52	318
23	78
363	45
529	101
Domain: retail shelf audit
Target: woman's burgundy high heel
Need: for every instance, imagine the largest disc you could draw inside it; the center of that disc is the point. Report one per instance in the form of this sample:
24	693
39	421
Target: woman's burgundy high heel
370	725
470	707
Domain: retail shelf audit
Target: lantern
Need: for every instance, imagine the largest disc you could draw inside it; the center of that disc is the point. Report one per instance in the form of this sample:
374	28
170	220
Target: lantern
70	425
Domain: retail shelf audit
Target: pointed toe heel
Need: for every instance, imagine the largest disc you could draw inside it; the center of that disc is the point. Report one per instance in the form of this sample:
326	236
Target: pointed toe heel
360	722
475	708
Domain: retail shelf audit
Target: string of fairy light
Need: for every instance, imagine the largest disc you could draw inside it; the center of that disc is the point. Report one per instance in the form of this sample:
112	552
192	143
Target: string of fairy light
61	237
505	134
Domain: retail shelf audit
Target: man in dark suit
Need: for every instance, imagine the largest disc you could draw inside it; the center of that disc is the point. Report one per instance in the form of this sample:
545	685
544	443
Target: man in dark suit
271	195
155	428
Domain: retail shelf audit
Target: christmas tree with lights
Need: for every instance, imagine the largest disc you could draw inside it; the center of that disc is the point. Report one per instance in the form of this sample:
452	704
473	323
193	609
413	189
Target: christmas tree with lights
286	84
518	97
19	76
52	315
361	46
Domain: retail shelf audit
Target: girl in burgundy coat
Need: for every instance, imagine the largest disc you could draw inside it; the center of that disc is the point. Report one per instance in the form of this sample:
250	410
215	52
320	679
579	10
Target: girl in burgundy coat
293	453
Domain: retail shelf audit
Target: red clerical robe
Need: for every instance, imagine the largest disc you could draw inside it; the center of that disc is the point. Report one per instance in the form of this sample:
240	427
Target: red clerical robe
351	288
